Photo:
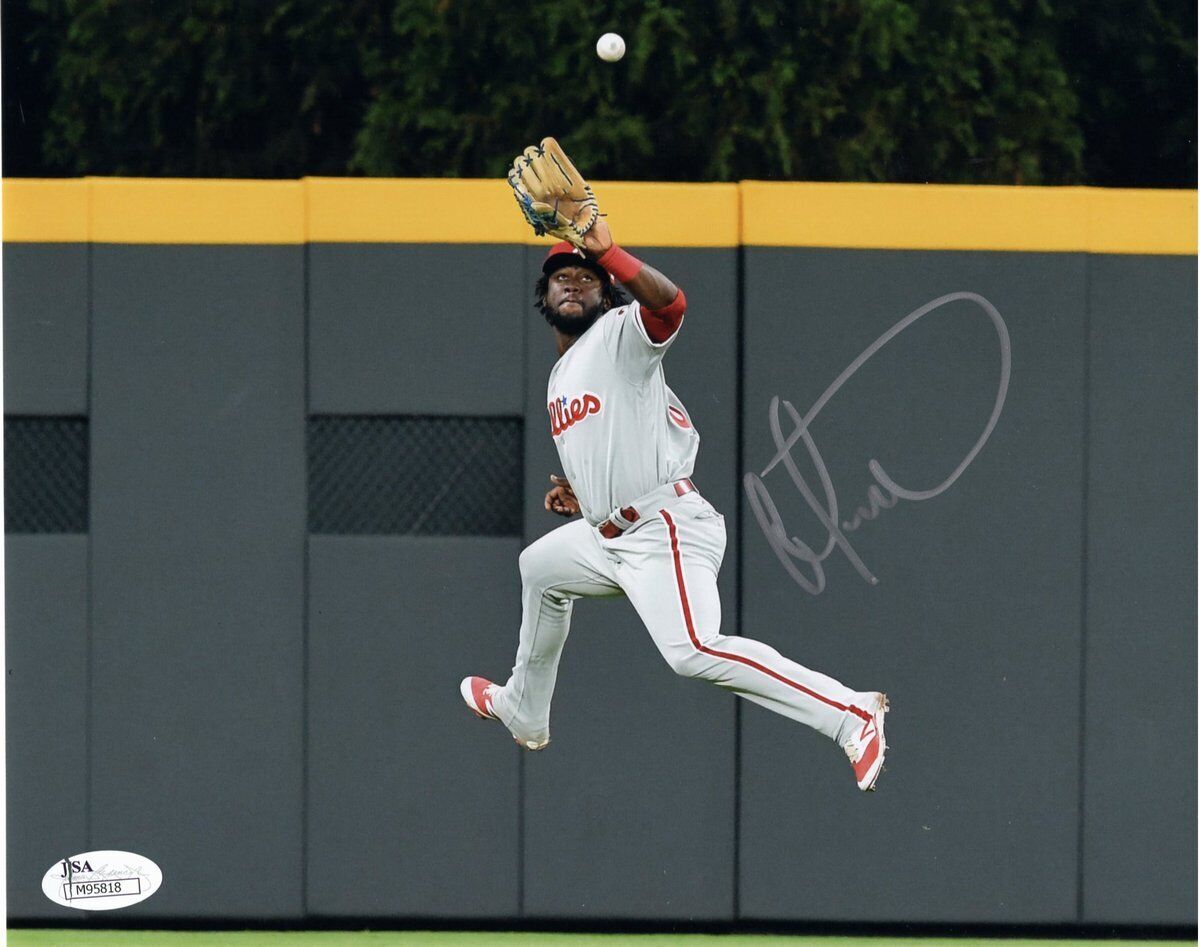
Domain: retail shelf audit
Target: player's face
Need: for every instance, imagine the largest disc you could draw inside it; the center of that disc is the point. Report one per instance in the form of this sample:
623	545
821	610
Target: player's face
574	297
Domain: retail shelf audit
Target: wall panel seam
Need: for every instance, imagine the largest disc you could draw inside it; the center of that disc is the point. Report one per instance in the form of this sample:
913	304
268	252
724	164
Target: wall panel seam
739	440
525	381
1085	451
89	624
305	581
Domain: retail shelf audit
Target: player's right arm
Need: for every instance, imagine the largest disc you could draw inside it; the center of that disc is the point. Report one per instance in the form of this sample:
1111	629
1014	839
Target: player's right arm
661	303
555	199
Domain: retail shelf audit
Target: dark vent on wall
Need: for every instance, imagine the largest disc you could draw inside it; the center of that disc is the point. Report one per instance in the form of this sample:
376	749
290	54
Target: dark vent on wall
45	475
416	476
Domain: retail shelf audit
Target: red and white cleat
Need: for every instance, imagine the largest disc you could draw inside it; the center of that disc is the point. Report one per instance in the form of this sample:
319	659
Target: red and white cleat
477	694
867	747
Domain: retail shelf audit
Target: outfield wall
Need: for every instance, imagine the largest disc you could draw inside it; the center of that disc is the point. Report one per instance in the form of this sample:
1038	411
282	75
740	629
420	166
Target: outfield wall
273	448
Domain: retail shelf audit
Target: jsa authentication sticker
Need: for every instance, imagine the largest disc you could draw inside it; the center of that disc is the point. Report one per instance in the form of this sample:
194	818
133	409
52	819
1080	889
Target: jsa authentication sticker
101	881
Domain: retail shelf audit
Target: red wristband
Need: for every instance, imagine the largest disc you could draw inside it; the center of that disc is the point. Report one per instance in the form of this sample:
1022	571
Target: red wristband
620	265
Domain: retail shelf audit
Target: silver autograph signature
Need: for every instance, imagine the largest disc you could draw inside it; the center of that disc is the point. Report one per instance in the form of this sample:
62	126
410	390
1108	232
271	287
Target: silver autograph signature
883	494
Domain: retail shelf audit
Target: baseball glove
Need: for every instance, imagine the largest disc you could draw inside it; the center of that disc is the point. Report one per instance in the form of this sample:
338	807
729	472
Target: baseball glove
552	195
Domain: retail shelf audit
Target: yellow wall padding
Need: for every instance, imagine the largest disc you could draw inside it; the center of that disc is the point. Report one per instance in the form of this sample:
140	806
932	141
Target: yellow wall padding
968	217
383	210
754	213
37	211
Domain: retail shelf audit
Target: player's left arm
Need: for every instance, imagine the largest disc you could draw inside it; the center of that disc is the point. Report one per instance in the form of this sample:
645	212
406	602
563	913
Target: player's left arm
662	302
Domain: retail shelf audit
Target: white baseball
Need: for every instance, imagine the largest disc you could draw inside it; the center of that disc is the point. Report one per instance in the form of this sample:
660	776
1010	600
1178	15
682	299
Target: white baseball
610	47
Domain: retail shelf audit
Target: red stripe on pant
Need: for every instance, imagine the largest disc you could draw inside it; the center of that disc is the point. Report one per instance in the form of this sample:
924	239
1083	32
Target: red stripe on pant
691	629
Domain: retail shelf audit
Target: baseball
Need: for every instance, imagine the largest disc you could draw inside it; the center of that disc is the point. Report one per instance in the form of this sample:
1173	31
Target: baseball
610	47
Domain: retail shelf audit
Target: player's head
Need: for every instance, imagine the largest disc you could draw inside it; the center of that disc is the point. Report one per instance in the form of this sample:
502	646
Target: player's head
573	290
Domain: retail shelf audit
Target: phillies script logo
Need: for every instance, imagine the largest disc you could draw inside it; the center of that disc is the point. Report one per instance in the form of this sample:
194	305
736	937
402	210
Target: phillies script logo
564	413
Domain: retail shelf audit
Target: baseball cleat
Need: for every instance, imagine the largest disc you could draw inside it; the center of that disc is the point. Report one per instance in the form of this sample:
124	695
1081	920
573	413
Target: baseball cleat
477	694
867	746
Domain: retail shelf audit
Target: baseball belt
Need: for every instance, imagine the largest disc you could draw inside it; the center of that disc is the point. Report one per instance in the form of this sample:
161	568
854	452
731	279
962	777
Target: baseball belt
620	520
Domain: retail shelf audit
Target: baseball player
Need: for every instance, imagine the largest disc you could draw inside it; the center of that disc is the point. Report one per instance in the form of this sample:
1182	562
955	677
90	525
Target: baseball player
627	447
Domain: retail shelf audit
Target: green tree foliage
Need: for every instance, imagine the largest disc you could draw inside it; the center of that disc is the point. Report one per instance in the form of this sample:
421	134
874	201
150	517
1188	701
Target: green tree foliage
203	88
1135	77
843	90
856	90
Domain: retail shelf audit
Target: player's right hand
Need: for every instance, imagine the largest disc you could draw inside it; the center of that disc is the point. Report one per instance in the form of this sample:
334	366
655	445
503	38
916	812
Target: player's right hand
598	240
561	498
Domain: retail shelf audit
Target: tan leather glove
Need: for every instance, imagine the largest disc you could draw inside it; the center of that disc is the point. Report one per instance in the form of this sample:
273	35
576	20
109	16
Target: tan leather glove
553	196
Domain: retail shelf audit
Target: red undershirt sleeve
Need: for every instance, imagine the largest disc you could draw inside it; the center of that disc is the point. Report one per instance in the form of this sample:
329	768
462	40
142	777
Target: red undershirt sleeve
661	323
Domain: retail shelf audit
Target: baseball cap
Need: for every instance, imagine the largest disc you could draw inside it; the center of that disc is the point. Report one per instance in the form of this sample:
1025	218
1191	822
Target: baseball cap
564	253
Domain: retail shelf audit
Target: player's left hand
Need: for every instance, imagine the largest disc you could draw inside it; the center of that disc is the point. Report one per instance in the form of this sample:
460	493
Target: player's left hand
561	499
552	194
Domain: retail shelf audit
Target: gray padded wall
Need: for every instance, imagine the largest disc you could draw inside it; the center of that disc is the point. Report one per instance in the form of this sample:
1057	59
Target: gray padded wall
45	612
640	758
396	622
198	590
45	373
974	626
412	802
45	328
415	329
1140	731
198	521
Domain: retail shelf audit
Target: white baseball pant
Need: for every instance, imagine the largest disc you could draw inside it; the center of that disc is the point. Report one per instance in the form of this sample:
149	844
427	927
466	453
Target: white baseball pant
667	566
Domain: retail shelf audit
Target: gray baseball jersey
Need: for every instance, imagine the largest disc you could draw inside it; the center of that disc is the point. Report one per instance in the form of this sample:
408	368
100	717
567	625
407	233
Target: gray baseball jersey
620	431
